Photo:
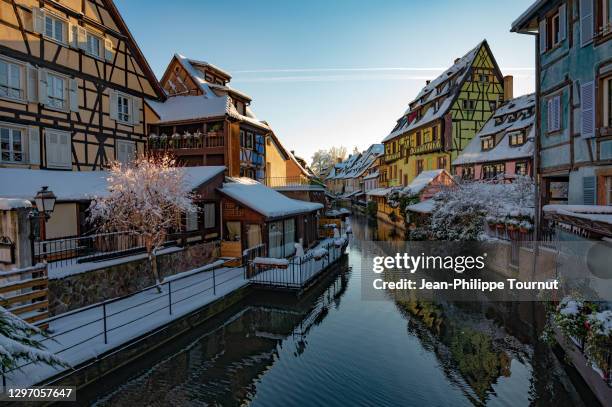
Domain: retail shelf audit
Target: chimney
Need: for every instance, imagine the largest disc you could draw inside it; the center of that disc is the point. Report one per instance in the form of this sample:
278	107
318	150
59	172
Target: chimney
338	160
292	152
508	87
456	60
427	82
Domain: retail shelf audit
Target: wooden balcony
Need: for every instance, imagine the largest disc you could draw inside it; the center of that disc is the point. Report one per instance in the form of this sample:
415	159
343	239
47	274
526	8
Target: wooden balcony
197	141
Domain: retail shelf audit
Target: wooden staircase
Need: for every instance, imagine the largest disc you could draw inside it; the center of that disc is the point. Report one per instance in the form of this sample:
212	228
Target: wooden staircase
24	292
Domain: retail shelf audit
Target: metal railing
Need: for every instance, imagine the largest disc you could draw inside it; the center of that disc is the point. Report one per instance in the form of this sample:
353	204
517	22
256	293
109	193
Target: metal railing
107	318
81	249
299	271
295	181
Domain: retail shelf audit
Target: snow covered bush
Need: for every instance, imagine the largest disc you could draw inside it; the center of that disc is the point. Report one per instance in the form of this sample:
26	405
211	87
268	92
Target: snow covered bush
571	317
147	198
18	345
598	343
461	213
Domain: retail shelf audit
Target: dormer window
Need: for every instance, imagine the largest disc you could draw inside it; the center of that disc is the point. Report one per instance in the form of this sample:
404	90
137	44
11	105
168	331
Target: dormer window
499	120
511	117
487	143
516	138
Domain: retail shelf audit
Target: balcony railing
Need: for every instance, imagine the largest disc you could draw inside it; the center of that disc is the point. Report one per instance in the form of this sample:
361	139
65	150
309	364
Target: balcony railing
187	141
291	182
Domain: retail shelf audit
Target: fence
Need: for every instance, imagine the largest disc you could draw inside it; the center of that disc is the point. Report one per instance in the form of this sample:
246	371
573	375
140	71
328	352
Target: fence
81	249
114	320
299	271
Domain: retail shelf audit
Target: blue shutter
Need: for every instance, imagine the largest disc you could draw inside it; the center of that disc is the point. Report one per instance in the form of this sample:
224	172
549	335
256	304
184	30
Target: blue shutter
588	190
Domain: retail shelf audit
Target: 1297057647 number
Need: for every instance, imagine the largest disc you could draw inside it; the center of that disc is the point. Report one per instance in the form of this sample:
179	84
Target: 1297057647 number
48	393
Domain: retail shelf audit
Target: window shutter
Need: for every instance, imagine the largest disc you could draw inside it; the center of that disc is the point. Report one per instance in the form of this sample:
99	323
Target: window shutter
65	150
557	112
38	19
542	32
34	145
586	22
58	149
136	106
121	155
73	36
113	105
588	190
42	86
587	109
51	147
74	95
81	37
32	83
562	22
108	49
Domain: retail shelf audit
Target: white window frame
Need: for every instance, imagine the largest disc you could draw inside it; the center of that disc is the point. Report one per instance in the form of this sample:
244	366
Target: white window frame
11	65
24	140
52	77
99	53
55	19
122	116
58	133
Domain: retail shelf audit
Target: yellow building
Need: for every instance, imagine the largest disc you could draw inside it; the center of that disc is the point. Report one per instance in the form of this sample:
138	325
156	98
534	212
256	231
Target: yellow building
444	117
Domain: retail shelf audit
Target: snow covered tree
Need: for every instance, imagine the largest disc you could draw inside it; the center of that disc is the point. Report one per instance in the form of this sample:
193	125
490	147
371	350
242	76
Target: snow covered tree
18	345
146	198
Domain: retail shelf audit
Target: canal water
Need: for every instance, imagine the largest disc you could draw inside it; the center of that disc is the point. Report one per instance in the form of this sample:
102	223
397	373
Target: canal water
332	348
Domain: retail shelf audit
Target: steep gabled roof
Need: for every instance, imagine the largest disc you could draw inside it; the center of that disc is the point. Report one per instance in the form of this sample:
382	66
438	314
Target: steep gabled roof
445	89
146	68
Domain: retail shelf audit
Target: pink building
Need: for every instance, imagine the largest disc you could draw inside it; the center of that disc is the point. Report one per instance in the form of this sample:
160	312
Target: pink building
503	148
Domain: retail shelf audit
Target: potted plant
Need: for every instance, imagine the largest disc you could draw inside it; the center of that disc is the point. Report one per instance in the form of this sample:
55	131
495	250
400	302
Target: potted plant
571	317
525	226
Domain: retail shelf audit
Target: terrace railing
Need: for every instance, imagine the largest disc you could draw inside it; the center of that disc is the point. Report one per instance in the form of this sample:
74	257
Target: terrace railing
191	141
288	182
81	249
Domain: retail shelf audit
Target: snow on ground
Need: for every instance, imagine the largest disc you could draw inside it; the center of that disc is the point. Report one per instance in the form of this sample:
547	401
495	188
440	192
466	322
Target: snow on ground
79	335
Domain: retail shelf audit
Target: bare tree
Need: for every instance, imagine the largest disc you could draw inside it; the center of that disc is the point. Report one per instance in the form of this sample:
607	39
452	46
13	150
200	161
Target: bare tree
321	160
147	198
338	153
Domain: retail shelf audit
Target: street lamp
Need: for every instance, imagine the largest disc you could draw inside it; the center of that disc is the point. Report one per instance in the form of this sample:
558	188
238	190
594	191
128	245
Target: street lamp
45	204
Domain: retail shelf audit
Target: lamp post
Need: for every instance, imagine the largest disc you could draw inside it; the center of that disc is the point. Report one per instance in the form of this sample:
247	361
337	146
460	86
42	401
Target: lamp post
45	204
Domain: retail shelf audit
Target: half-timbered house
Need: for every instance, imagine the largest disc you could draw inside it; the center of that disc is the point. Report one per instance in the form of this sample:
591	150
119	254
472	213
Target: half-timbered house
72	85
204	121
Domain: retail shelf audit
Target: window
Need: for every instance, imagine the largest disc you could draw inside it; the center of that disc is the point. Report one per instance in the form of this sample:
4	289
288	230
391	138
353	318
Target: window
289	237
93	44
210	219
516	138
242	138
605	16
521	168
493	106
419	166
123	108
11	80
275	239
442	163
607	102
55	28
58	149
487	143
484	78
56	91
434	134
249	140
511	118
552	29
191	220
553	112
491	171
608	190
469	104
126	151
418	138
467	172
11	145
499	120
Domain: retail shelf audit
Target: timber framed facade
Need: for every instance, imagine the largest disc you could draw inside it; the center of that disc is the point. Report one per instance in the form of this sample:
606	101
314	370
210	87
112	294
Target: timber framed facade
72	86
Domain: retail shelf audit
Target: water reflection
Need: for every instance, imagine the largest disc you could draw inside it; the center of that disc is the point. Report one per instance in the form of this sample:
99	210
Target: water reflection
331	347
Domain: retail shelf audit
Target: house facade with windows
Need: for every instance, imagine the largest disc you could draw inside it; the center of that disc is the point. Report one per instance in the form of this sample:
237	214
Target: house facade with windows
204	121
444	117
72	86
504	147
574	100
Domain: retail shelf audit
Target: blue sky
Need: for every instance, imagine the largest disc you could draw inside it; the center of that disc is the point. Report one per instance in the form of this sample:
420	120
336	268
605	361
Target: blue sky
337	72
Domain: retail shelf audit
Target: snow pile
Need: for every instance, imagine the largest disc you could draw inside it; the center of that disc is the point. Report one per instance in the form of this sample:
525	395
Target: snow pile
318	253
271	261
601	322
299	249
570	306
340	241
597	213
6	204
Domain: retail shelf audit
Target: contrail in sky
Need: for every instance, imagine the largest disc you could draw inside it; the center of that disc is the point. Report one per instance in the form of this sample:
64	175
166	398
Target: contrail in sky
381	69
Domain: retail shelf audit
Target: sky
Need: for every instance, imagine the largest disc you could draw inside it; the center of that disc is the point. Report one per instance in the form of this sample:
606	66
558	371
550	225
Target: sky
326	73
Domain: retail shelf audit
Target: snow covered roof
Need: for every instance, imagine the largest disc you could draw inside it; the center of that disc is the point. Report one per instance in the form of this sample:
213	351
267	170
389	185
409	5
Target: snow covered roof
372	175
6	204
426	206
444	89
78	185
381	191
357	164
597	213
501	123
264	200
216	100
422	180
